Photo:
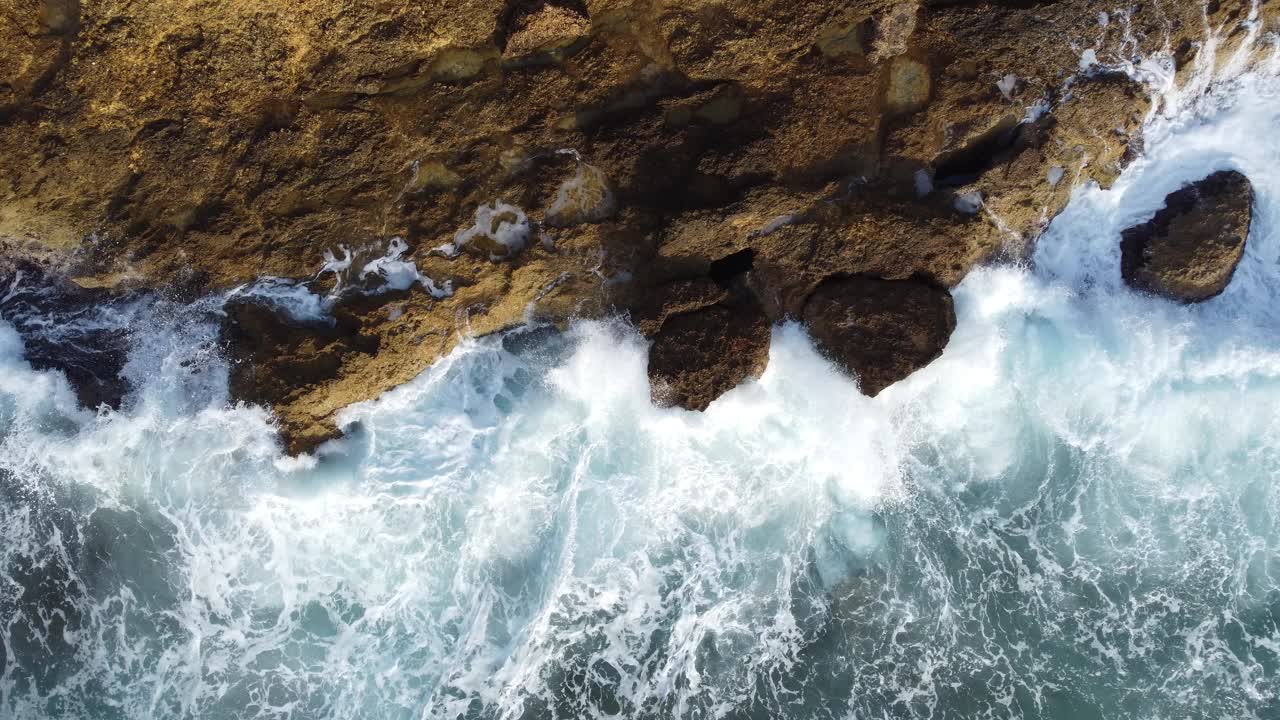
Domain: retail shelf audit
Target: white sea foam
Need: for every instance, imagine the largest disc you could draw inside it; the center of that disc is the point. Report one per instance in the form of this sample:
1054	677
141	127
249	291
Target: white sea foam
292	298
396	273
502	224
1007	85
301	303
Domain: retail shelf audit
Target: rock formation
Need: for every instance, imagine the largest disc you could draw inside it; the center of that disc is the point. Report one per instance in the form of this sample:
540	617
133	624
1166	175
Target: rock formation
1190	249
881	331
698	356
460	167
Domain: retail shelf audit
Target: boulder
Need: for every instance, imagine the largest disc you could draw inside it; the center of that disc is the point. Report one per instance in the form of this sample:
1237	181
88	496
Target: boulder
880	330
698	356
542	28
1190	249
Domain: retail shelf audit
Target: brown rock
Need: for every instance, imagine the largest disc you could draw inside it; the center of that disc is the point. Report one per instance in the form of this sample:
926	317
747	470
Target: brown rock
548	29
1190	249
274	359
879	330
698	356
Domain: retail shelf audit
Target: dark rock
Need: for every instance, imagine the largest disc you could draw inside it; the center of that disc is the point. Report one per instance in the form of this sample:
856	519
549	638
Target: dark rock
880	330
76	331
698	356
678	297
1190	249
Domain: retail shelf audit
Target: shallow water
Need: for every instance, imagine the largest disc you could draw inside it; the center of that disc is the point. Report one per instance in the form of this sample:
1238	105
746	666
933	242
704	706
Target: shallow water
1072	514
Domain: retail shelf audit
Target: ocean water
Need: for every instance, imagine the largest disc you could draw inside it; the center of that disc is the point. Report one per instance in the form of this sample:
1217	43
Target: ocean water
1074	513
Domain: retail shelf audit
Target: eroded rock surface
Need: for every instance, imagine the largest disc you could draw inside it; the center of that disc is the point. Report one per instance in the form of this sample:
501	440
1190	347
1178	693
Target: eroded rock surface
1190	249
698	356
880	330
627	145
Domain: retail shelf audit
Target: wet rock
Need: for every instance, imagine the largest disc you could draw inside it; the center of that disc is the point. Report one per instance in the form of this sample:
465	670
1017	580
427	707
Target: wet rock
586	196
77	331
1190	249
499	231
456	65
880	330
434	175
59	16
275	359
698	356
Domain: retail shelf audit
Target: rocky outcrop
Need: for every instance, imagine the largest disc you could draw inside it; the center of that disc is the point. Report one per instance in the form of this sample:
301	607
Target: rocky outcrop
878	330
698	356
549	159
275	359
1190	249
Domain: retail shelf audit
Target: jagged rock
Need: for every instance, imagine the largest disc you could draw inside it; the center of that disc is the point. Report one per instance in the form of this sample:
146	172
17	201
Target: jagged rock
1190	249
880	330
698	356
548	28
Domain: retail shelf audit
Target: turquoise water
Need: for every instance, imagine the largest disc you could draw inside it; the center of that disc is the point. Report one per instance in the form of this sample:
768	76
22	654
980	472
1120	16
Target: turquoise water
1073	513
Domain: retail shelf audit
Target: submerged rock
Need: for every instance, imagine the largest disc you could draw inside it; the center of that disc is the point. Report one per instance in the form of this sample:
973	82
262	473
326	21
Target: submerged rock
908	85
698	356
880	330
1190	249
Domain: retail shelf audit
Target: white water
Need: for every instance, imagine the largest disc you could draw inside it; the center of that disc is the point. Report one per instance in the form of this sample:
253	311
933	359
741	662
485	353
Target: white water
1072	514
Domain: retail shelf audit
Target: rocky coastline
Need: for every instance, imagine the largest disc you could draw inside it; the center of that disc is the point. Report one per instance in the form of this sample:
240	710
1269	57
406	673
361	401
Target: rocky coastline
708	168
